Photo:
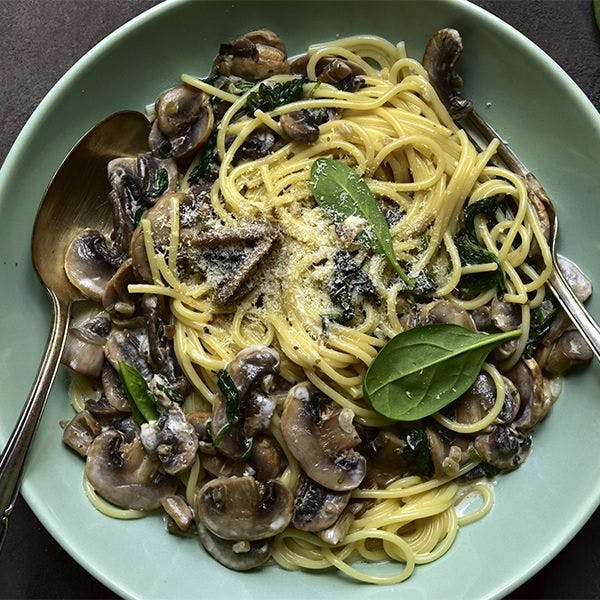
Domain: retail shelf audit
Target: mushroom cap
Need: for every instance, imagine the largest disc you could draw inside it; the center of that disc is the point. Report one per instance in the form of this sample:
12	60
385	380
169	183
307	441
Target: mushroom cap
503	447
80	432
223	551
441	55
445	311
241	508
116	299
311	427
316	507
90	263
569	350
84	346
527	378
300	126
124	474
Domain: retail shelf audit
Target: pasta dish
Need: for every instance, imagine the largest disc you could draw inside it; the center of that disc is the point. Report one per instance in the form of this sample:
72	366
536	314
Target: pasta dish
320	326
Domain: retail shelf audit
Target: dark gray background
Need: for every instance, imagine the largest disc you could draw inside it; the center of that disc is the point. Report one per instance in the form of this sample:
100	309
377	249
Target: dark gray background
41	39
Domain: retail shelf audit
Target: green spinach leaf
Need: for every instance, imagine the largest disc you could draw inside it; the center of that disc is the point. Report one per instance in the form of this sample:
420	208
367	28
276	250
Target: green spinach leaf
417	452
143	405
231	395
486	206
159	184
342	193
204	159
348	283
170	393
541	321
421	370
270	97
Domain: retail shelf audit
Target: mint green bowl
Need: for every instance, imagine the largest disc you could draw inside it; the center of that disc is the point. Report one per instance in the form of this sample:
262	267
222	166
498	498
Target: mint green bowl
553	128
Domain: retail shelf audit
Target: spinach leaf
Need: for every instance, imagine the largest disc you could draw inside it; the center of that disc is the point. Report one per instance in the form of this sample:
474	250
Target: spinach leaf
421	370
159	184
270	97
348	283
486	206
143	405
231	395
417	452
204	159
541	321
341	193
171	394
471	253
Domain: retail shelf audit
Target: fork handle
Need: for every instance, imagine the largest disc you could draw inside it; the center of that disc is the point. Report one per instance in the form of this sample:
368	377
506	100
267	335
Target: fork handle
13	457
581	318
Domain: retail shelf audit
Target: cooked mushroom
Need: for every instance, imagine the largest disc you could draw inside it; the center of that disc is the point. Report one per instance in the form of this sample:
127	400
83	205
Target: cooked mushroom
218	465
84	346
335	533
160	345
265	458
253	56
316	507
321	437
157	177
239	556
171	439
127	346
257	145
447	456
503	447
445	311
337	70
441	55
251	372
300	126
80	432
528	379
569	350
184	117
90	263
505	316
200	421
241	508
482	318
122	472
478	400
113	389
116	300
101	408
383	451
578	281
177	508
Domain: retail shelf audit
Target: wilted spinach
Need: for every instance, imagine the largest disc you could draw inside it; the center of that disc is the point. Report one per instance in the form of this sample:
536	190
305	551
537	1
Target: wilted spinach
417	452
204	159
471	253
541	321
270	97
159	184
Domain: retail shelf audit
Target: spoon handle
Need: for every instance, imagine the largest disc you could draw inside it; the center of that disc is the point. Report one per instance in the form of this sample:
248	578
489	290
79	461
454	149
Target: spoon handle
13	457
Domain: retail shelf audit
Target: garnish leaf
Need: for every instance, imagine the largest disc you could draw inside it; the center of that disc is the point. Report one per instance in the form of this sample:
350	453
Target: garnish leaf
269	97
342	193
159	184
421	370
143	406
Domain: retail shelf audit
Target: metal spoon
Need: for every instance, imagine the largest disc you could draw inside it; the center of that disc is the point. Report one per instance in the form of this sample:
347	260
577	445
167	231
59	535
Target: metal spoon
441	56
76	198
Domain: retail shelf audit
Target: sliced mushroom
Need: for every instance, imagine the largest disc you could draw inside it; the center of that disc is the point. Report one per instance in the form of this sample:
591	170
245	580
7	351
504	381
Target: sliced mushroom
505	316
336	533
241	508
113	389
101	408
160	345
579	282
316	507
171	439
251	371
253	56
569	350
184	117
445	311
84	346
257	145
116	300
80	432
128	347
300	126
218	465
172	527
503	447
90	264
383	451
337	70
441	55
265	458
528	379
479	399
235	555
447	456
482	318
157	177
177	508
122	472
322	439
200	421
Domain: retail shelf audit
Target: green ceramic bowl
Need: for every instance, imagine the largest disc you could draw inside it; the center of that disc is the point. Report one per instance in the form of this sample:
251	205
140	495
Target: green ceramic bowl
550	124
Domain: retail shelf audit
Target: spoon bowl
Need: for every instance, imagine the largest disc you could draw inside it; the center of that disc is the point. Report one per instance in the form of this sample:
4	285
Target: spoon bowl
75	198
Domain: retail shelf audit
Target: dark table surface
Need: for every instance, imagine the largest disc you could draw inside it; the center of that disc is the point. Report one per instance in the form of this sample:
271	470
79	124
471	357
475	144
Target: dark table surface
40	40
